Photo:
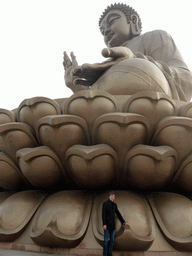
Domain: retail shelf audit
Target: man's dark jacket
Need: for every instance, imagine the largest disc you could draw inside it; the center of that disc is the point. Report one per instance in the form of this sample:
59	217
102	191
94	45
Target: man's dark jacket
109	210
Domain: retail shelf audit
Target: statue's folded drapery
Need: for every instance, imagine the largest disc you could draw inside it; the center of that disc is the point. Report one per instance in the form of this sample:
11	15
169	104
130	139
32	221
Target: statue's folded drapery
158	47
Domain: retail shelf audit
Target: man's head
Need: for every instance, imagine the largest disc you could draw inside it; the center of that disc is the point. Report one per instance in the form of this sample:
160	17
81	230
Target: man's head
112	196
119	23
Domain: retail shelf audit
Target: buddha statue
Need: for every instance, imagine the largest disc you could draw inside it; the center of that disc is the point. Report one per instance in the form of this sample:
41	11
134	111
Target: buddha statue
137	62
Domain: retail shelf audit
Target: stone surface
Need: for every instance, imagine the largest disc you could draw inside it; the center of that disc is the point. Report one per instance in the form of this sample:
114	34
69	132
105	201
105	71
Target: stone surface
127	127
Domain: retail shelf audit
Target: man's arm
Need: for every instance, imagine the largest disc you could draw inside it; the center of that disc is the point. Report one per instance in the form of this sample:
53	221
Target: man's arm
104	216
120	217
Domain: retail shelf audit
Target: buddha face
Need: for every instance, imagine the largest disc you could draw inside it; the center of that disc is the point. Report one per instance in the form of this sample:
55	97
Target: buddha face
115	29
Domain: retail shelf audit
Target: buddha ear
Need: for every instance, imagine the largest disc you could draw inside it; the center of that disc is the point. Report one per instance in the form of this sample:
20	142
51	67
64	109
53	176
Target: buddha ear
134	22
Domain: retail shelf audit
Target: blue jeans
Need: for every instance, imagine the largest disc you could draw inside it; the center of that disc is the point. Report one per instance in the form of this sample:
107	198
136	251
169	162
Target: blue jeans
108	243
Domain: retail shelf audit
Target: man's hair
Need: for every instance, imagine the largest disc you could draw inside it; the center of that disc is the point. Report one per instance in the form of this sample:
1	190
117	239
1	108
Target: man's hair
111	193
126	9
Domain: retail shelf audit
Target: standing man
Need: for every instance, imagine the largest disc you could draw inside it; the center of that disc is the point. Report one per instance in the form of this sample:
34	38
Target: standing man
109	209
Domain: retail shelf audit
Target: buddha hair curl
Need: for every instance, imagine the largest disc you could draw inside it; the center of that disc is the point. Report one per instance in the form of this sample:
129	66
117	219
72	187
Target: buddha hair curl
126	9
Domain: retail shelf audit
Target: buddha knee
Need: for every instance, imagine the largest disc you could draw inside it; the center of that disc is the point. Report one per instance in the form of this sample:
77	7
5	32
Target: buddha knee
131	76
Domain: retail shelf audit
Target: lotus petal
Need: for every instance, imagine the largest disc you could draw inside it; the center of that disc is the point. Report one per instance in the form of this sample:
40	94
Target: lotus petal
15	136
173	213
11	177
62	102
92	166
153	105
134	209
186	110
175	132
183	177
5	195
121	131
31	110
38	163
6	116
16	212
90	104
62	219
61	132
149	167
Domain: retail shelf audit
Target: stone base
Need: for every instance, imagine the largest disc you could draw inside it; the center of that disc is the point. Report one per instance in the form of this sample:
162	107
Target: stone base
90	247
84	252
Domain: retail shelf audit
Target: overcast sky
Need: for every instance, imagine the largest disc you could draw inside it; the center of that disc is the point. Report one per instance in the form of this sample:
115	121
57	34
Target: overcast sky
34	34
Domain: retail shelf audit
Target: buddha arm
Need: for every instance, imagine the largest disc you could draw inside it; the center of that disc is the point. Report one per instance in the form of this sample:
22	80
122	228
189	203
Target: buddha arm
70	83
159	48
75	83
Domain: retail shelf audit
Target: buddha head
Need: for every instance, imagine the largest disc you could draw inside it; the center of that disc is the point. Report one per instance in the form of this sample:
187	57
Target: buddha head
118	24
